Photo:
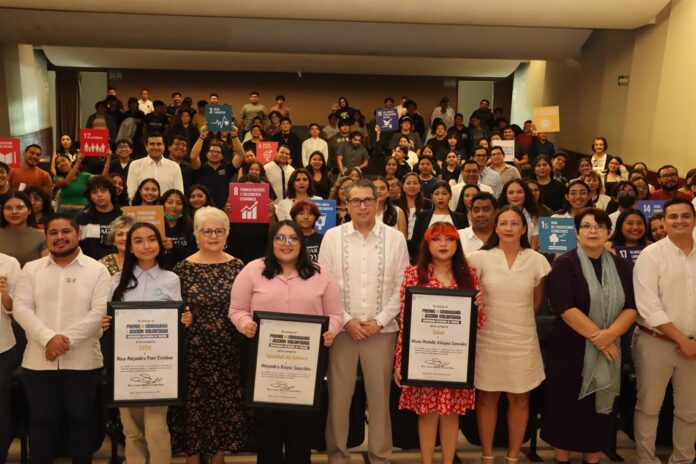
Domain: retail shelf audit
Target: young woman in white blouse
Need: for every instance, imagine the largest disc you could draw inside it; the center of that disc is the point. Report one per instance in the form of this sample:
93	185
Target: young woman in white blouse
142	279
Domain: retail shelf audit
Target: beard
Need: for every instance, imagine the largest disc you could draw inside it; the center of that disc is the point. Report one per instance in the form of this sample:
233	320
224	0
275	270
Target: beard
64	253
670	187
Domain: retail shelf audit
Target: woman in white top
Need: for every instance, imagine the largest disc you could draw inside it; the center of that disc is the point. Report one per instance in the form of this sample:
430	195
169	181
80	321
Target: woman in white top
516	193
142	279
596	184
386	211
300	187
577	198
508	357
9	271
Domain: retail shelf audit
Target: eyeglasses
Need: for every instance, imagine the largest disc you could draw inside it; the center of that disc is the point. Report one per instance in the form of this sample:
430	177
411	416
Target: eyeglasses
15	208
289	239
219	232
670	175
587	227
356	202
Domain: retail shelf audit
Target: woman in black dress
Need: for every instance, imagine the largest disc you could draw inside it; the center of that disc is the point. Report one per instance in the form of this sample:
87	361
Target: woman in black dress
213	419
592	293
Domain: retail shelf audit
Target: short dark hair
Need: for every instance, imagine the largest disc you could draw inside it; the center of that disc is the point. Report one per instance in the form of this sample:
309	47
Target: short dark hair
126	141
174	94
178	137
560	154
679	201
601	217
32	145
96	182
484	196
343	122
356	134
280	97
305	267
314	124
5	167
213	94
484	100
282	120
154	135
59	216
200	103
666	166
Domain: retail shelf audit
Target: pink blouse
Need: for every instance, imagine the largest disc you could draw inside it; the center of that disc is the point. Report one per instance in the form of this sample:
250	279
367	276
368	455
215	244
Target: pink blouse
319	295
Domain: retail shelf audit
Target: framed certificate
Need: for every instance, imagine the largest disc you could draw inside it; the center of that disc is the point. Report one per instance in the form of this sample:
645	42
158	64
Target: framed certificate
439	339
288	361
147	353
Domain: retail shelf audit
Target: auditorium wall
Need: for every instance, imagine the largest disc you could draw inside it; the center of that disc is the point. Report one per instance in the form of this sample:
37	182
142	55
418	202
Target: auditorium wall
309	96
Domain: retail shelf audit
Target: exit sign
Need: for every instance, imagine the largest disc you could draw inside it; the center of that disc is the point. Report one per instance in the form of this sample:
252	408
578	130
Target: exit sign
623	80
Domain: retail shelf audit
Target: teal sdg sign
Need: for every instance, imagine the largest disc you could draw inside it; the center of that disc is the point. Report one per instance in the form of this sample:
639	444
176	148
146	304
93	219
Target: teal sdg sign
218	117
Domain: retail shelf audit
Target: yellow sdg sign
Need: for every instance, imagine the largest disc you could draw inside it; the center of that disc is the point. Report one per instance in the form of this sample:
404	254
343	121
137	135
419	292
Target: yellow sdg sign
547	119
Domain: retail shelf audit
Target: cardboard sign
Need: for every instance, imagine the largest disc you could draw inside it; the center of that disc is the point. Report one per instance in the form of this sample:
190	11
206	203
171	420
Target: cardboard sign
508	147
327	220
266	151
388	119
249	203
628	252
547	119
153	214
557	234
650	207
9	152
218	117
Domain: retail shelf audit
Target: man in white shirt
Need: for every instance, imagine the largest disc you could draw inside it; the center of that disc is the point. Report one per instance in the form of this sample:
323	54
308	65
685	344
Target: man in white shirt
488	176
155	166
9	272
145	104
60	301
483	210
314	143
368	260
443	112
278	172
470	175
664	348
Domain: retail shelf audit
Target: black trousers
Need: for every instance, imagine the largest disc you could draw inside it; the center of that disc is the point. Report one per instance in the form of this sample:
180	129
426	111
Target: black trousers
7	363
276	428
56	394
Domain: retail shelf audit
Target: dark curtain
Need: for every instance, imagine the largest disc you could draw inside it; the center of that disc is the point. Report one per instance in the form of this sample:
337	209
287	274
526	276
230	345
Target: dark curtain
68	103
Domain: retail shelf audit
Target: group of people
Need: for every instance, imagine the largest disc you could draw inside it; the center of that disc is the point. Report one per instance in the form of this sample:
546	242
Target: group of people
455	212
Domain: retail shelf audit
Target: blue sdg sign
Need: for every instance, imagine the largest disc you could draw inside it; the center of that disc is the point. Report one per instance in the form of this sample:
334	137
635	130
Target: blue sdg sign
218	117
327	218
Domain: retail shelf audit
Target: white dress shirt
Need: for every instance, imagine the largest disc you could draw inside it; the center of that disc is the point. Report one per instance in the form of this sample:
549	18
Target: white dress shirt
155	284
457	191
664	282
146	106
70	301
311	145
165	171
9	267
369	271
470	241
278	178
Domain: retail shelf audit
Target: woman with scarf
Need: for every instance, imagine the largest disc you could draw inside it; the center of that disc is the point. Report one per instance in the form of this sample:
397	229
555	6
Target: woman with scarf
592	292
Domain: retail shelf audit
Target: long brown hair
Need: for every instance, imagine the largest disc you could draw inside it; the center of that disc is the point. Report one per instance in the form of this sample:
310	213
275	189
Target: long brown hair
460	268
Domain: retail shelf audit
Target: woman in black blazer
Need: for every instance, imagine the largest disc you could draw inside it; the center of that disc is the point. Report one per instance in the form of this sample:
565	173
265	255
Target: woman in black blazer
440	212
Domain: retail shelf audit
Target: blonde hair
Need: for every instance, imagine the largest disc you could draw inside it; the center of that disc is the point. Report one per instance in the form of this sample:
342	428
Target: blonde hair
120	222
211	213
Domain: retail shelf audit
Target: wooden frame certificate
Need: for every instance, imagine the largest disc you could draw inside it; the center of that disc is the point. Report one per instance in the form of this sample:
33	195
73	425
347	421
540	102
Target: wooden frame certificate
288	361
147	346
439	339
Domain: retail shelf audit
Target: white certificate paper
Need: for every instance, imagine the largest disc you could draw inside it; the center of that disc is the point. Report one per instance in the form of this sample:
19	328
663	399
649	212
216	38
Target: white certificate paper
146	354
439	338
287	362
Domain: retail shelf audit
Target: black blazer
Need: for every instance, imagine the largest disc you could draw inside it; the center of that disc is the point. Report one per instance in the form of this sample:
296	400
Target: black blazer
423	219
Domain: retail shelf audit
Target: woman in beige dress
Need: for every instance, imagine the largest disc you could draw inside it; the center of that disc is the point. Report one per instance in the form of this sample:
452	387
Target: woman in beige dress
508	357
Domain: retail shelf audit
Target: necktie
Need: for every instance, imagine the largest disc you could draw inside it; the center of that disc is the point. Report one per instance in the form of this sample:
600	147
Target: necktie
282	179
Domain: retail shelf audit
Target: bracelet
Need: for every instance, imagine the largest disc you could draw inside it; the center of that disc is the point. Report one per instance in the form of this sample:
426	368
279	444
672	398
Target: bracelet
234	137
201	137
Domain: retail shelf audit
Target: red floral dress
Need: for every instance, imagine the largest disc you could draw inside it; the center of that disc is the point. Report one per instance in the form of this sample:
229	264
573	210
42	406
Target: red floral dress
425	400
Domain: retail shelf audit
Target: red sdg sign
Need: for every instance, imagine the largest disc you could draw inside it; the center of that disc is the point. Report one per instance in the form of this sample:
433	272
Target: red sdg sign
266	151
94	142
249	202
9	152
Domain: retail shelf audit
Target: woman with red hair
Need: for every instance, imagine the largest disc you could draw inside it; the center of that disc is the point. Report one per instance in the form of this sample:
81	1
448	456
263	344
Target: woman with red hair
441	264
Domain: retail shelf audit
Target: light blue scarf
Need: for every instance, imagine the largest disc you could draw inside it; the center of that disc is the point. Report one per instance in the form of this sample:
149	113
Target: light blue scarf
599	375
